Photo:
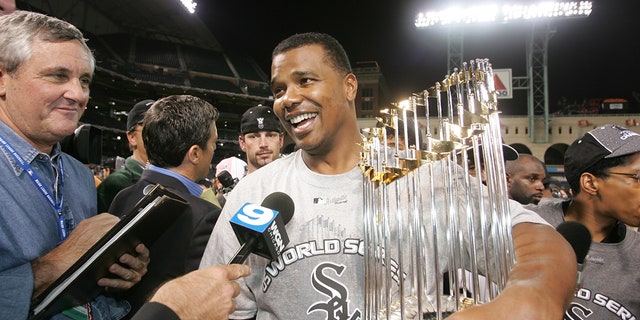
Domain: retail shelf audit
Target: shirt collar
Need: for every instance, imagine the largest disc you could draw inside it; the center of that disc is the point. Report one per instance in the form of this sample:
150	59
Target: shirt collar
618	233
194	188
24	148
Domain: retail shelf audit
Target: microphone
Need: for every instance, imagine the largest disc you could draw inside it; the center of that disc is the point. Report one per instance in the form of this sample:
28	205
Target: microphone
260	229
227	181
579	238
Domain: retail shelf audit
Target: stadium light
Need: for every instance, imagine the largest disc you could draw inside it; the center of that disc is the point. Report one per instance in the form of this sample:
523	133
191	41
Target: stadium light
190	5
492	13
535	81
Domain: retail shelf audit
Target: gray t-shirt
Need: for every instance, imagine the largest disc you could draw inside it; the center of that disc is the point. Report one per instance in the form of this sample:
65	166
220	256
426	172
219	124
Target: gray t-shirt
320	275
611	273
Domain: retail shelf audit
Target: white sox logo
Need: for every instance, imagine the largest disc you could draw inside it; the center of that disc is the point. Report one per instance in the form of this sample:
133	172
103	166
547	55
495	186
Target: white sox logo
577	312
337	307
594	305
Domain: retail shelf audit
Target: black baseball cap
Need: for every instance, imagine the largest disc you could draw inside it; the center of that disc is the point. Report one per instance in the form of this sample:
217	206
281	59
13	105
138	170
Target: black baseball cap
508	152
136	114
608	141
259	118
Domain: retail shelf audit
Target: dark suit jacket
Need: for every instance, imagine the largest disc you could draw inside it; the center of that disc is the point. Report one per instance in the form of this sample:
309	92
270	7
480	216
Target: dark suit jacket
155	311
179	250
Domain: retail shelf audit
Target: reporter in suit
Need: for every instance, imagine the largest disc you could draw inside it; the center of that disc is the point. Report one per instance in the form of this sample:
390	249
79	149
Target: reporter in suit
180	135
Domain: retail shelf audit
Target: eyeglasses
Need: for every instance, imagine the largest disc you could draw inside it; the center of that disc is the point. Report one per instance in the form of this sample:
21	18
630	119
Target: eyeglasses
632	175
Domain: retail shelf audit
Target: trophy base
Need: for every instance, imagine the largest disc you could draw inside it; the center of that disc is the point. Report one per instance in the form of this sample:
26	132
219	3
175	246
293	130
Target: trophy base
430	311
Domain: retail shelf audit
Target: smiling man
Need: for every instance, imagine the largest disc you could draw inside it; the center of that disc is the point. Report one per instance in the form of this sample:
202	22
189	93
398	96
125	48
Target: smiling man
48	217
320	275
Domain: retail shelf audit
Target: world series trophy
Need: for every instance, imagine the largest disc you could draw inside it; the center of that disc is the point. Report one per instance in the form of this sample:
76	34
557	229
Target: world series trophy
437	239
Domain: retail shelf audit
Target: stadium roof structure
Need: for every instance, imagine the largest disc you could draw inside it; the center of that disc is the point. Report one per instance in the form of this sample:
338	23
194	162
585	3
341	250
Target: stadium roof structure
153	19
131	41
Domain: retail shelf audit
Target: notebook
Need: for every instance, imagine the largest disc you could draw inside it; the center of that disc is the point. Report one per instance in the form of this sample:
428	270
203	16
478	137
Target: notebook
145	223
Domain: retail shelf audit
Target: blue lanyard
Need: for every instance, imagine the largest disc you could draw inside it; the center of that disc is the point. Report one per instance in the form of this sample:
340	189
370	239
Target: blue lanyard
53	201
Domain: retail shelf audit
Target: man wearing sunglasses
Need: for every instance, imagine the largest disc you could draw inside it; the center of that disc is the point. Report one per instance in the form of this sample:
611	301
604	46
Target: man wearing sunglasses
603	170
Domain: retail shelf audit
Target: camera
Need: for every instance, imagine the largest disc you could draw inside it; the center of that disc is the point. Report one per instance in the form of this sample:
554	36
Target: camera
227	181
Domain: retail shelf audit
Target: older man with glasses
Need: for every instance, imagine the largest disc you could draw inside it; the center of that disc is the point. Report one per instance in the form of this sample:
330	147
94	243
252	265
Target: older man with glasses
603	169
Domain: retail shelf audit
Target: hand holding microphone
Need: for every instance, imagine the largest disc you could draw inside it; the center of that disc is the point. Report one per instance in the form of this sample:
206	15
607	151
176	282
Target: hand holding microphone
260	229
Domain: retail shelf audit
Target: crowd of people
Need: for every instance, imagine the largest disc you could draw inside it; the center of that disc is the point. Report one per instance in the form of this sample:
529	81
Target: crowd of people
53	211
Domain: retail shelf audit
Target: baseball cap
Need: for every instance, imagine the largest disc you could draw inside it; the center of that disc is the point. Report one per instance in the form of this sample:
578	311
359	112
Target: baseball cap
136	114
259	118
235	166
508	152
608	141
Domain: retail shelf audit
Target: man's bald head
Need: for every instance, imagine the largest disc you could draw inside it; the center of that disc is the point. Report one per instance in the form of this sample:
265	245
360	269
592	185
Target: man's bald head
524	179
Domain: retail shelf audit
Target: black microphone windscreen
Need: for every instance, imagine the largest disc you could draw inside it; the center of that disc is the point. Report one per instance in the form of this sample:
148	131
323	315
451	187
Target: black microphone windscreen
225	179
282	203
578	237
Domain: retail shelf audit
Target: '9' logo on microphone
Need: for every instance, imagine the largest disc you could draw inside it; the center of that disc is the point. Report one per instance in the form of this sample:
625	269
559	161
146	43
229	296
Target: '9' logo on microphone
254	215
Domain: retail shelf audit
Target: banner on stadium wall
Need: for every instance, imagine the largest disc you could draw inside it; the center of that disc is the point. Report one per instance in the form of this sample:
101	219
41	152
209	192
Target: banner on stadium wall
502	80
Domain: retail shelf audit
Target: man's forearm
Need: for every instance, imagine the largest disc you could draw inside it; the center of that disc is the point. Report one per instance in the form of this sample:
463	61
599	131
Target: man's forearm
46	270
541	283
545	265
49	267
